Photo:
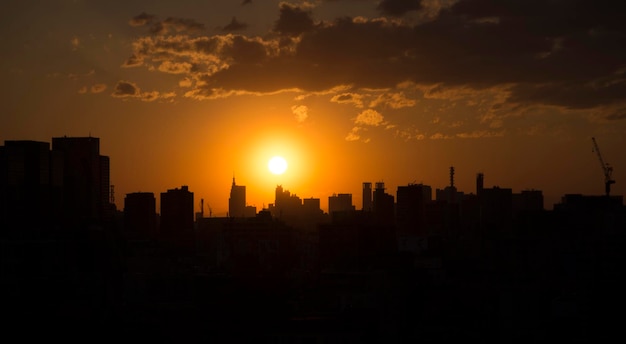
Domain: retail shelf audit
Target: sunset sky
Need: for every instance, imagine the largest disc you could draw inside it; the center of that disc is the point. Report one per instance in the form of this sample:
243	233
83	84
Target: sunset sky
191	92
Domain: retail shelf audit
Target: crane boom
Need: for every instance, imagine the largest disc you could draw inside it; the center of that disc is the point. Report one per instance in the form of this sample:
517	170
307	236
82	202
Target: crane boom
607	170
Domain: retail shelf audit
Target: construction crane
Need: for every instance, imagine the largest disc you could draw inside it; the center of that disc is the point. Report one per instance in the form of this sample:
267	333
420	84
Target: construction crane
606	169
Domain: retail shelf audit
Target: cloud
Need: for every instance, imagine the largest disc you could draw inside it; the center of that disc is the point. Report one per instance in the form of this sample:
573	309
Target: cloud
348	98
480	134
172	24
133	61
493	56
175	67
293	20
393	100
142	19
98	88
127	89
440	136
398	7
235	25
300	112
369	117
245	2
186	82
169	25
353	135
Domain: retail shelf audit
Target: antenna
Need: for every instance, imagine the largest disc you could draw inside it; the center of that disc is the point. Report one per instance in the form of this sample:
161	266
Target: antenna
452	176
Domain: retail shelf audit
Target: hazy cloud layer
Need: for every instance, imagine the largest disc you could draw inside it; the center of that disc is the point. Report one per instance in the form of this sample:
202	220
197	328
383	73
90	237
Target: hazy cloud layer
565	54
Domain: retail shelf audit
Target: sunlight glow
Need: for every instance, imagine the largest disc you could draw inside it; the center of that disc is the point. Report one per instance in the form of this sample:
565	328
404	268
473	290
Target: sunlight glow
277	165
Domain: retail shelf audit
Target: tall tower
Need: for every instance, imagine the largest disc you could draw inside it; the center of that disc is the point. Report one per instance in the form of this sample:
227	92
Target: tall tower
479	183
367	196
140	215
177	215
237	200
85	179
451	176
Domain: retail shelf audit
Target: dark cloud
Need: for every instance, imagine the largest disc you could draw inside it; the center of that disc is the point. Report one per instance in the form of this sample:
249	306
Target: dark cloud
171	24
125	89
133	61
561	53
398	7
245	2
142	19
245	51
235	25
293	20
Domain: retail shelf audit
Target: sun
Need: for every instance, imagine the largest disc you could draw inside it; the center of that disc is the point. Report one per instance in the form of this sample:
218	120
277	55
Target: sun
277	165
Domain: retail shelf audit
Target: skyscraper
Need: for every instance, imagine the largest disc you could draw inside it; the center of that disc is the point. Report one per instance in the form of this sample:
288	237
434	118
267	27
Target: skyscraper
140	215
85	179
383	205
26	190
367	196
177	215
340	202
237	200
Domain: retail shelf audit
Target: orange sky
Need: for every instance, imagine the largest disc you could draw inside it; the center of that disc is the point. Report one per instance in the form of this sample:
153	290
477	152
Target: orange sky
190	93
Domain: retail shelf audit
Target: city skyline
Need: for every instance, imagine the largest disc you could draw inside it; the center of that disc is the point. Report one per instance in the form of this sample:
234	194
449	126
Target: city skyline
186	93
238	204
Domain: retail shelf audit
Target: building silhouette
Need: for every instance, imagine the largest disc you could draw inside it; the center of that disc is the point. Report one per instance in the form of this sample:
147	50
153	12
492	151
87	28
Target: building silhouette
383	205
237	200
86	182
30	184
140	215
177	222
412	202
340	203
367	197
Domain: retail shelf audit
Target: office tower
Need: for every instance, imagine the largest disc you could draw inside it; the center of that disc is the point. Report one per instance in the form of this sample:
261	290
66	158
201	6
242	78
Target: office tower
85	179
237	200
286	204
411	204
140	215
311	205
26	189
479	183
383	205
106	208
367	196
340	202
177	214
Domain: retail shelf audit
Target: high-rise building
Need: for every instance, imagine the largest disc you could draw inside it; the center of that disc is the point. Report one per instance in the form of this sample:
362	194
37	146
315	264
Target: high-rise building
177	215
383	205
85	179
237	200
411	204
28	196
340	202
367	196
140	215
